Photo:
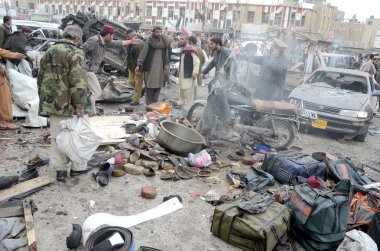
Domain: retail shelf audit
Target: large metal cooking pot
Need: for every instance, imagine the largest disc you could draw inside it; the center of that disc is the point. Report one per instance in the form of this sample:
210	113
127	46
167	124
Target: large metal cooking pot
179	139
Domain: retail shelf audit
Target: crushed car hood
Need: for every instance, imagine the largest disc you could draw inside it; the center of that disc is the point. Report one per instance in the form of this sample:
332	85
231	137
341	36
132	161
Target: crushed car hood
317	93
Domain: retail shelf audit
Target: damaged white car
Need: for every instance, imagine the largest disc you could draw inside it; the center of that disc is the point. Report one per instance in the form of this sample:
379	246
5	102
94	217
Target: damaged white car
343	100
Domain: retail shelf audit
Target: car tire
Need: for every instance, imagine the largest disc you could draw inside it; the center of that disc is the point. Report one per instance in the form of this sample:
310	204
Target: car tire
361	137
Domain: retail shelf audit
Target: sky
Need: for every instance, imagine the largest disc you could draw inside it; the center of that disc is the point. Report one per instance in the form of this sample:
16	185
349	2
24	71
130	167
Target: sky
362	8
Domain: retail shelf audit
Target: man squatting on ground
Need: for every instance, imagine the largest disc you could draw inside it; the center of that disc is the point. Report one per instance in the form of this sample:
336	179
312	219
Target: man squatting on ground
62	87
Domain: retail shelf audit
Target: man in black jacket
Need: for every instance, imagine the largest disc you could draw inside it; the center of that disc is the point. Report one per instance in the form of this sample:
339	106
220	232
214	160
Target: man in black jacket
16	43
5	29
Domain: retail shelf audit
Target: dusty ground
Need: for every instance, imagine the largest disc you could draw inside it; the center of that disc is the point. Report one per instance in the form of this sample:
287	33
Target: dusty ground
188	229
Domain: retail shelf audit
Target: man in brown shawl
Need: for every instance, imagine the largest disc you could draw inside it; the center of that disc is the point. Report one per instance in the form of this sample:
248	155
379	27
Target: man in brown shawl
153	61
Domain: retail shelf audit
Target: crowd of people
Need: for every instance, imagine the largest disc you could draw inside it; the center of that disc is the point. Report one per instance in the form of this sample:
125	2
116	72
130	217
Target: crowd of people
68	84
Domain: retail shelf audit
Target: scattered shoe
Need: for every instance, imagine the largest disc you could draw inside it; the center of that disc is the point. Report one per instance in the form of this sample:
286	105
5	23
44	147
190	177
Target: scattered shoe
134	103
73	241
102	178
76	173
172	196
149	172
28	174
37	161
8	181
61	175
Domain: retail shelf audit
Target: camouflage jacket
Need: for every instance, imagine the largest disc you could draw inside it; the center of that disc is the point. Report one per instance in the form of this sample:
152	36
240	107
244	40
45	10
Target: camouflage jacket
62	80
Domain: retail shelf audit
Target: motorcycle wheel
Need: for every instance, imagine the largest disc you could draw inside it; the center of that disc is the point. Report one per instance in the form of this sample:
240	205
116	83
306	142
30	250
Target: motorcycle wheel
284	135
195	113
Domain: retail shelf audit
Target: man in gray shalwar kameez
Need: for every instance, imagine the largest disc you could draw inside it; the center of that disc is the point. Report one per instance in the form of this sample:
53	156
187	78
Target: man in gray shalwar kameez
153	61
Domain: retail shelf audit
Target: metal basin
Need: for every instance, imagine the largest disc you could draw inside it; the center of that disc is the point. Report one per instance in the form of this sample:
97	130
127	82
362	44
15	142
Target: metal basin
179	139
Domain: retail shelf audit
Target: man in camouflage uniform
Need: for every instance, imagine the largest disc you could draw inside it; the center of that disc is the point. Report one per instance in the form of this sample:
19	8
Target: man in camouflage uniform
62	87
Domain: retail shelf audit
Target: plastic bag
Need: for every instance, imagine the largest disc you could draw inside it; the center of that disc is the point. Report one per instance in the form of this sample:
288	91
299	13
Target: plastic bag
201	159
78	141
25	95
357	241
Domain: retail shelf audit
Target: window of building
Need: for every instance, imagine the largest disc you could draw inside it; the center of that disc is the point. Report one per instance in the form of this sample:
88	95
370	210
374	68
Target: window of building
265	18
137	10
110	11
101	11
127	9
17	4
31	6
171	12
277	19
148	11
182	10
159	11
46	8
59	9
75	9
83	9
303	21
67	9
250	17
223	15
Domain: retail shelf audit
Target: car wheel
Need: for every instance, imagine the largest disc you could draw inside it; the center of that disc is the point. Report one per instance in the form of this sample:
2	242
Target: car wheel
361	137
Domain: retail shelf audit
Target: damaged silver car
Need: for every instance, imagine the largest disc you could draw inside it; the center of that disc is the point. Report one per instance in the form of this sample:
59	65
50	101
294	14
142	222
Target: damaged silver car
343	100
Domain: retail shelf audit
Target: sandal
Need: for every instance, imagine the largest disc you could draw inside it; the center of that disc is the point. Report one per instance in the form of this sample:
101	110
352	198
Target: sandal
204	173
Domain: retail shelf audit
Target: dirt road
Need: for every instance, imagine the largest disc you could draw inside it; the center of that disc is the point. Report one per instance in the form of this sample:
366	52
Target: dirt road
188	229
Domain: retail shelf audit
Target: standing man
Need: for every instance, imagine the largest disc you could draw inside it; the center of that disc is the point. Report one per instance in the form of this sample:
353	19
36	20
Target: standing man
94	50
62	87
154	62
188	72
5	94
370	67
5	29
193	41
134	80
273	71
220	56
16	43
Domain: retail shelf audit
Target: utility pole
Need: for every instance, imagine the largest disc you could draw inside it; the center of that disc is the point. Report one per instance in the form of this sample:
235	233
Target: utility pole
6	5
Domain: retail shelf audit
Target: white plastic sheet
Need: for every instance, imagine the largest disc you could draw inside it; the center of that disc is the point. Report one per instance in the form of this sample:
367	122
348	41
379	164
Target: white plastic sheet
78	141
357	241
25	94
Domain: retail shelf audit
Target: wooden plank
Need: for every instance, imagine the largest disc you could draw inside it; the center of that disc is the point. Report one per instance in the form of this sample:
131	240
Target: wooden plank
32	242
6	212
24	187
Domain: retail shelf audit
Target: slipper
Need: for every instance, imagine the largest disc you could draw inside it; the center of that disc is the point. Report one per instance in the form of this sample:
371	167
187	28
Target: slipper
149	172
61	175
169	176
134	156
118	171
204	173
179	168
37	161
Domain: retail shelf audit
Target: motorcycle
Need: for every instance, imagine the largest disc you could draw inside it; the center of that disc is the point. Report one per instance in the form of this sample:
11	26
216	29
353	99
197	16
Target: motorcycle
274	123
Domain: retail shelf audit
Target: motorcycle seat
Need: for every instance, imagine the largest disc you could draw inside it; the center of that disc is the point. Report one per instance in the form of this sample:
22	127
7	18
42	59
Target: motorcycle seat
277	107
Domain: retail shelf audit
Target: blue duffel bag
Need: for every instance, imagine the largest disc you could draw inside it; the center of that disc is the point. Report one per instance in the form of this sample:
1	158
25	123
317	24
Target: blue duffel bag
286	165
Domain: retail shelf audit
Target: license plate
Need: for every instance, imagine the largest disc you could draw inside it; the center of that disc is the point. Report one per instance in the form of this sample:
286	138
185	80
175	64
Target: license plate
308	114
319	123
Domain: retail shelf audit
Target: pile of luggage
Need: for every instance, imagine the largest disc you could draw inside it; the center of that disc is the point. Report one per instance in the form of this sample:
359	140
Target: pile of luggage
331	206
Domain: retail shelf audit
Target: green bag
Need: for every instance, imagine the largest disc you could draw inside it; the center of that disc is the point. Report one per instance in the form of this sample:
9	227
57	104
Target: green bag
259	232
320	217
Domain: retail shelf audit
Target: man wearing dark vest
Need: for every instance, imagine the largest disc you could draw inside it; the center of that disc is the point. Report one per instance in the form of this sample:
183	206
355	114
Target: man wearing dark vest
153	61
188	72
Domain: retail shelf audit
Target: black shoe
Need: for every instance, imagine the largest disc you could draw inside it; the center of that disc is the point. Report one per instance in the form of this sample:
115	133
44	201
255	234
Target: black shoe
28	174
142	93
8	181
37	161
76	173
134	103
61	175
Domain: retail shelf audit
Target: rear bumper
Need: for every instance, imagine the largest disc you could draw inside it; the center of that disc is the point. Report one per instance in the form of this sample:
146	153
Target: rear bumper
345	125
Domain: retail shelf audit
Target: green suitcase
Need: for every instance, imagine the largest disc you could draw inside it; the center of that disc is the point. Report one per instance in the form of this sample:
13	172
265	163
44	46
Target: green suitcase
258	232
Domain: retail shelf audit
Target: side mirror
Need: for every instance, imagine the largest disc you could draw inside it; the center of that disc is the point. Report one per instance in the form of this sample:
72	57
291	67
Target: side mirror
376	93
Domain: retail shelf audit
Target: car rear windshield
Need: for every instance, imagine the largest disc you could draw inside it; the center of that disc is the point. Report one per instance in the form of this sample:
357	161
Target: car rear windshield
340	80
